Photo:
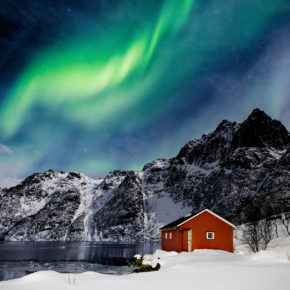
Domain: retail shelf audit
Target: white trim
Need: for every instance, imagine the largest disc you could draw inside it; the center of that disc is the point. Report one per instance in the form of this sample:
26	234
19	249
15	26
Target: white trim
189	240
208	237
209	211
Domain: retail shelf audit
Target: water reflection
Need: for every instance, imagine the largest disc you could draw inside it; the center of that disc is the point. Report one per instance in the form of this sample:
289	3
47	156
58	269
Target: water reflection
21	258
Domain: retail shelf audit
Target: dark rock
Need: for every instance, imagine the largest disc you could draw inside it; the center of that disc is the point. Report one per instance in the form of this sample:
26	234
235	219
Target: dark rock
147	268
259	130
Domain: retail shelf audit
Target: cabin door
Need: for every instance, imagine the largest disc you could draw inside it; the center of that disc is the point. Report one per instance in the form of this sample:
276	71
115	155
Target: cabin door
189	240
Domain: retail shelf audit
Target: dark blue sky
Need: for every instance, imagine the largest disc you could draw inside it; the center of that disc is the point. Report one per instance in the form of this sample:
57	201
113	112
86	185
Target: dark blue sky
99	85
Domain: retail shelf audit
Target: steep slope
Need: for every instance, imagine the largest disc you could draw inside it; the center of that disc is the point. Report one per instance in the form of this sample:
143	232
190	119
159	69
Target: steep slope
44	205
226	171
122	217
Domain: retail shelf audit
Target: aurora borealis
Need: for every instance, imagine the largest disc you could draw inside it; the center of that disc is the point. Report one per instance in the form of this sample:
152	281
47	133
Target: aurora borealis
108	85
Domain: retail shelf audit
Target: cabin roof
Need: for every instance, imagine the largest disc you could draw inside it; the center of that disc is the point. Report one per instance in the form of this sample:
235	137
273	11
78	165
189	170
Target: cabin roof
175	224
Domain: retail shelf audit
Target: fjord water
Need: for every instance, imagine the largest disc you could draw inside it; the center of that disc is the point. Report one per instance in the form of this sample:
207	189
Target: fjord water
18	259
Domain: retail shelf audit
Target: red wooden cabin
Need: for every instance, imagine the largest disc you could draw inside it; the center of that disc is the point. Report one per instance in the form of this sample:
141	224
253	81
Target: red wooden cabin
205	230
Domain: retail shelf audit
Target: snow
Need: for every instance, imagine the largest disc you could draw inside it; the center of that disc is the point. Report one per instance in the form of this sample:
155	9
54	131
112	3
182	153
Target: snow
277	154
31	204
210	168
167	209
155	258
159	208
201	269
158	211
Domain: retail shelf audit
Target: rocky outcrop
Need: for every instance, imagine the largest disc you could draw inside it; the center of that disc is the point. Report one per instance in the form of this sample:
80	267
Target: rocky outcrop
124	213
228	170
259	130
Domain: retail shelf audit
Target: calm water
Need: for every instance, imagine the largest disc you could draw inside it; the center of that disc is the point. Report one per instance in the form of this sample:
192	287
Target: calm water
18	259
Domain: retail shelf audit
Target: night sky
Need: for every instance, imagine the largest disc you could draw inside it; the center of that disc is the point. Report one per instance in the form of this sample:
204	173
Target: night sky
99	85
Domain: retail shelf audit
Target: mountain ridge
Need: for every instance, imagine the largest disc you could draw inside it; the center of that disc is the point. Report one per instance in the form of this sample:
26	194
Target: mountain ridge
236	163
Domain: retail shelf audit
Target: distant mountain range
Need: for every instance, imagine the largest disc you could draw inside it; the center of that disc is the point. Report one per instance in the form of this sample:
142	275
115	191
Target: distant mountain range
228	170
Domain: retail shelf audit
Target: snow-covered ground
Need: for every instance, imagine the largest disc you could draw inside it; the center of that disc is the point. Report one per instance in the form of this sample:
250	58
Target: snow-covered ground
201	269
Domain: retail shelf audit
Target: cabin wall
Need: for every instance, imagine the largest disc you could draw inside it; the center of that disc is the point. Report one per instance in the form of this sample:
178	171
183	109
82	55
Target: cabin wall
170	244
207	222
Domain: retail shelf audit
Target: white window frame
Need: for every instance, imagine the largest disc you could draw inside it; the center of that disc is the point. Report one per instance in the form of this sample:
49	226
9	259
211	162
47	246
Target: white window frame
170	235
207	235
165	236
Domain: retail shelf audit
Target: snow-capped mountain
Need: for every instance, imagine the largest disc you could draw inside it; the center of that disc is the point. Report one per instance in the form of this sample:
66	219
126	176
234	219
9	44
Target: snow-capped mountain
234	166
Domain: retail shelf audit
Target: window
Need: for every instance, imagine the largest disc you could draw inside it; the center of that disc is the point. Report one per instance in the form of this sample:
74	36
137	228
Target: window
170	235
165	235
210	235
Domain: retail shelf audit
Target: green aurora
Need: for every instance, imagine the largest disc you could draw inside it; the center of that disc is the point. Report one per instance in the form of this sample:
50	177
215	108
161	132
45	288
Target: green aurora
98	80
92	81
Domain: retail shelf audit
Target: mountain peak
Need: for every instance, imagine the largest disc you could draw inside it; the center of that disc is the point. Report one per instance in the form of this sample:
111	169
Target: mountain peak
260	130
258	114
225	126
